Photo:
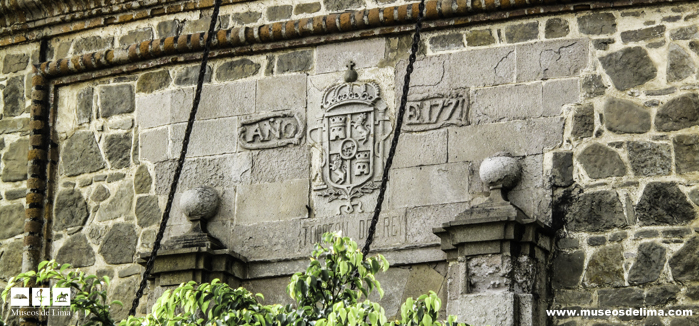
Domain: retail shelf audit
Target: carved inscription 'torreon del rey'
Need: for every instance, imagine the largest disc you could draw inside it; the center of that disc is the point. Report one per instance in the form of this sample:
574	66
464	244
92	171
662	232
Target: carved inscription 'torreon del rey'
436	112
352	137
270	130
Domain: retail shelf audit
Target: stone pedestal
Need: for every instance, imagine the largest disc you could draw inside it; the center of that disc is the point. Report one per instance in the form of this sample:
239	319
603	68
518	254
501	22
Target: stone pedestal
497	259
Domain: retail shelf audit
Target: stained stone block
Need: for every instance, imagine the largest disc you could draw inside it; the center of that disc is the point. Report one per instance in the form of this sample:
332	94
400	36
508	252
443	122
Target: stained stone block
567	269
480	37
624	297
650	261
142	180
684	33
120	204
556	27
649	159
429	185
663	203
70	210
77	252
662	295
209	137
153	81
244	18
519	138
558	93
307	8
622	117
522	32
11	259
84	108
114	100
680	64
341	5
601	162
505	103
605	267
258	203
280	164
168	28
275	13
296	61
189	76
8	125
686	153
14	194
147	211
364	53
137	36
482	67
14	162
119	245
629	67
216	101
281	93
595	212
152	110
13	97
91	44
447	42
643	34
572	298
219	172
14	63
117	149
100	194
124	291
562	170
583	121
678	113
683	263
597	24
154	145
12	222
201	25
560	58
423	219
237	69
426	148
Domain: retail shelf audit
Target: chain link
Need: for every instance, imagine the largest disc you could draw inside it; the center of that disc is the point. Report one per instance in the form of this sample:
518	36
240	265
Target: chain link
396	134
180	162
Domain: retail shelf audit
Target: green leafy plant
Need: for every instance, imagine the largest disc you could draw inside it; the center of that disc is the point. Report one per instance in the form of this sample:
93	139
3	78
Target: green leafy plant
333	291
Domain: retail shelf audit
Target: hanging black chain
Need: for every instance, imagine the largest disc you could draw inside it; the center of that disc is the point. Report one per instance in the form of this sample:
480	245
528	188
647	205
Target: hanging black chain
396	134
180	161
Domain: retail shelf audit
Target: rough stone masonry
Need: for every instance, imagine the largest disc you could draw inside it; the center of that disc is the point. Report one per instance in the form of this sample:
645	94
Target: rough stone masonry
597	100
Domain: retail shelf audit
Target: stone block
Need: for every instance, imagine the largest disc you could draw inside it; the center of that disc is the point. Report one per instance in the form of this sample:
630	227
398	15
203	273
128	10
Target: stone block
282	12
557	93
562	169
447	42
125	291
595	212
482	67
649	159
650	261
519	138
593	86
678	113
663	203
623	297
167	28
77	252
429	185
307	8
81	154
506	103
117	149
219	101
70	210
119	245
626	117
245	18
14	63
152	110
601	162
13	97
497	308
572	298
11	259
684	33
209	137
14	162
92	44
280	164
201	25
84	108
556	27
8	125
117	99
12	222
365	53
568	243
557	59
153	81
480	37
219	172
153	145
137	36
189	76
281	93
605	267
531	195
583	121
425	148
597	24
120	205
686	153
517	33
342	5
629	67
267	202
297	61
423	219
237	69
683	262
643	34
142	180
147	211
14	194
680	65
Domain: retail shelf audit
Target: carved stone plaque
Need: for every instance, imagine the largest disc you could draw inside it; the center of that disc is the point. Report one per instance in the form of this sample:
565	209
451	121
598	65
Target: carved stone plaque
270	130
351	137
436	112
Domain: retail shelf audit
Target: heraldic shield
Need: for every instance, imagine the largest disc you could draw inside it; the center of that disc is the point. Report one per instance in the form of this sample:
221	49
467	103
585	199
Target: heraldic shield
352	152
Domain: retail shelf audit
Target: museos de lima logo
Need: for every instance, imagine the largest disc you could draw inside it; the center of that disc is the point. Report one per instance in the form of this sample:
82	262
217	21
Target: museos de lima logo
40	297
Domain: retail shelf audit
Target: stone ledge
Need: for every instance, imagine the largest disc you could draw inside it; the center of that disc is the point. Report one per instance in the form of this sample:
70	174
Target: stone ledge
176	266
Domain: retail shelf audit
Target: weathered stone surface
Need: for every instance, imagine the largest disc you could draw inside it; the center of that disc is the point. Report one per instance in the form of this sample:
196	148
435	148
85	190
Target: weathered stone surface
601	162
12	221
91	44
606	267
15	161
663	203
154	145
190	75
364	53
114	100
14	194
77	252
280	164
119	245
618	236
643	34
568	243
275	13
117	149
624	297
596	241
271	201
137	36
680	64
595	212
567	269
603	44
558	93
693	292
562	170
597	24
480	37
505	103
662	295
130	271
70	209
11	258
341	5
686	153
683	264
120	124
522	32
448	184
425	148
153	81
84	108
237	69
124	291
558	58
583	121
14	63
13	97
142	180
8	125
168	28
206	138
119	205
626	117
650	261
296	61
244	18
306	8
572	298
201	25
678	113
147	211
289	93
556	27
649	159
661	92
684	33
629	67
644	234
114	177
447	42
218	172
100	194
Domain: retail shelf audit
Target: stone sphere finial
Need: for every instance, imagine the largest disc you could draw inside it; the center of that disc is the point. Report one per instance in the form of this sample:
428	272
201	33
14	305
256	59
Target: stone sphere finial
500	171
199	203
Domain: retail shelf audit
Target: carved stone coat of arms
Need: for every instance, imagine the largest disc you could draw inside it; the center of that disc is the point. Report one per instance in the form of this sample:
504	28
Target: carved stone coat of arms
352	136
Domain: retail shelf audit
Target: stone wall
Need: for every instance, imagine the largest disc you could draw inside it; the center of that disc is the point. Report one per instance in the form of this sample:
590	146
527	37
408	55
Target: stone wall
600	107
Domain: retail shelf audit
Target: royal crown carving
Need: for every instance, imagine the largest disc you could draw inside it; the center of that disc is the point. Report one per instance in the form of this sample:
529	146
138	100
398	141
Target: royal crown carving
345	93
